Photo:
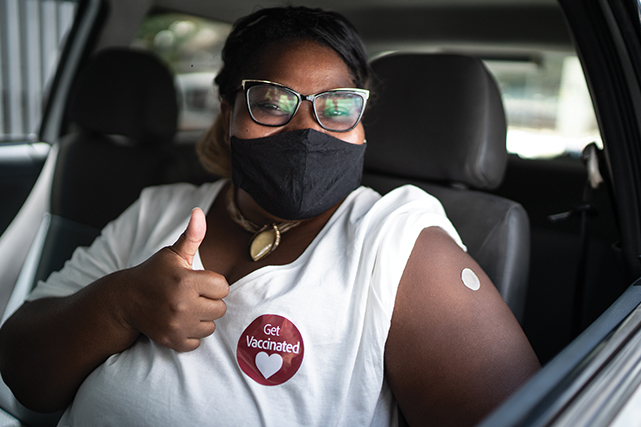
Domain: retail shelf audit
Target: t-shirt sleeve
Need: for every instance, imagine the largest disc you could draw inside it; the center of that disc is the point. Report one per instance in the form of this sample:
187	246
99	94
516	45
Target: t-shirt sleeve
404	213
108	253
154	221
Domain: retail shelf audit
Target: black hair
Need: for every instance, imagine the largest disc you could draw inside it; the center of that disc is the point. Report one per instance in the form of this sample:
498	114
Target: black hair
253	34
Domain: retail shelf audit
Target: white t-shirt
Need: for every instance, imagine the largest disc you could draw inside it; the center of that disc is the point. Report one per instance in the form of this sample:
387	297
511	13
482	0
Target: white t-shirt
300	344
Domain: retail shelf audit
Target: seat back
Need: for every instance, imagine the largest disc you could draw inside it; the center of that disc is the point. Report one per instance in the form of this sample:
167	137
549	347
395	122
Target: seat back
437	121
123	107
123	111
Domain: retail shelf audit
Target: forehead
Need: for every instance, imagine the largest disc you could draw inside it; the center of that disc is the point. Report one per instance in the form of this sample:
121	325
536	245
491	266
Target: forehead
305	66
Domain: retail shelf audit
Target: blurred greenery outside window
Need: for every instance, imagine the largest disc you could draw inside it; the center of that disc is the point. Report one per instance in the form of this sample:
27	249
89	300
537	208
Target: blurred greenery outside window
191	48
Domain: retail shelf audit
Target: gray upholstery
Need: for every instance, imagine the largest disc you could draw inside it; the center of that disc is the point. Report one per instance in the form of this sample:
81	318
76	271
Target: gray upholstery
128	93
123	110
437	121
124	106
441	118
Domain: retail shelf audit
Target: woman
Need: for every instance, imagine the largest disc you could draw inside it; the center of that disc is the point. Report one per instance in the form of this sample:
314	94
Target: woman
345	303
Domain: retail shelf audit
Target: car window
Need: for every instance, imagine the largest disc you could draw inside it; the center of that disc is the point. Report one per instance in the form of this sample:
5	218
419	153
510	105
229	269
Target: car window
547	104
191	47
32	34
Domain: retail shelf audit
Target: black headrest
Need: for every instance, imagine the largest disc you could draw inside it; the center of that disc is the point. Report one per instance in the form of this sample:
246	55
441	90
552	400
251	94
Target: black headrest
126	92
436	117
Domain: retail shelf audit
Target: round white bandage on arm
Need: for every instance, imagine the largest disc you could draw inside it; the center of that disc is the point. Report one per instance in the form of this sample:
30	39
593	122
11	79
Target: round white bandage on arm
470	279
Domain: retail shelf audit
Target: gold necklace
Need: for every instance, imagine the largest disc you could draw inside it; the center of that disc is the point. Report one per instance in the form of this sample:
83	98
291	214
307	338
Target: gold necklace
266	238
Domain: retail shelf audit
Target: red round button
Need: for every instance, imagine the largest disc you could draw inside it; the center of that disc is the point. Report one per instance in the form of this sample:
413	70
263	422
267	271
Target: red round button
270	350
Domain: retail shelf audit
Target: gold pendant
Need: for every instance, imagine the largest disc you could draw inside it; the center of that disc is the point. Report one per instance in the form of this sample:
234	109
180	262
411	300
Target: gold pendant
264	242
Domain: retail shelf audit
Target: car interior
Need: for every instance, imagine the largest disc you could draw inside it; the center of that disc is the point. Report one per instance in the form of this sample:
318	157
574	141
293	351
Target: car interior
441	110
458	150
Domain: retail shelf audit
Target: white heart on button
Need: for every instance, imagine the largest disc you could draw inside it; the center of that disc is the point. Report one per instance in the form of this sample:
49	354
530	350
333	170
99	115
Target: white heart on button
268	365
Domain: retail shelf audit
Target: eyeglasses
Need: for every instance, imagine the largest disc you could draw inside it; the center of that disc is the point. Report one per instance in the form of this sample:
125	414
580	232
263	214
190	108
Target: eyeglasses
272	104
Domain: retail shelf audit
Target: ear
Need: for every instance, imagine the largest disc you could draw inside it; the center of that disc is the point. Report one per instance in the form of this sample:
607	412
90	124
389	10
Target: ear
225	112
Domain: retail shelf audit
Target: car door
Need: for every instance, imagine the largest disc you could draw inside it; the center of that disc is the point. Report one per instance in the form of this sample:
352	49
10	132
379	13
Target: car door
32	40
595	380
41	45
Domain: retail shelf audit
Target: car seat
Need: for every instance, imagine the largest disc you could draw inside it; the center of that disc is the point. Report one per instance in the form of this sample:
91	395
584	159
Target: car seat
123	111
437	121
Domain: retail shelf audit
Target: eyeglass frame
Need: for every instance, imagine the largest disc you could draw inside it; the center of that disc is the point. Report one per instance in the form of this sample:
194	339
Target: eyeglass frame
363	93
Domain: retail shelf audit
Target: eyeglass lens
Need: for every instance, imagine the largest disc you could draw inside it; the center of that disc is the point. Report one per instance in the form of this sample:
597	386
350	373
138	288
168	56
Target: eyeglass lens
275	106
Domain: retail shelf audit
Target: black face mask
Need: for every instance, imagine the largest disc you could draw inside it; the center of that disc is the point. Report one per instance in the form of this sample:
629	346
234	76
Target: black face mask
299	174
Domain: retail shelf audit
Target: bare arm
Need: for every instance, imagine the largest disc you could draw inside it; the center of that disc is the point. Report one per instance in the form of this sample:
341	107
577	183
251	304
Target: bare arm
453	353
49	346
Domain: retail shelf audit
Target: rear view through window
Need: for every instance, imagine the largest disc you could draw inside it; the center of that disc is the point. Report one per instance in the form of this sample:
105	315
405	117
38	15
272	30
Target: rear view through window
191	47
548	106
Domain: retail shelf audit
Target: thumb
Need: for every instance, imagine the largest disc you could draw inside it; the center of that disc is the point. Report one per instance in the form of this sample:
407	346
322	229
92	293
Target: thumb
189	242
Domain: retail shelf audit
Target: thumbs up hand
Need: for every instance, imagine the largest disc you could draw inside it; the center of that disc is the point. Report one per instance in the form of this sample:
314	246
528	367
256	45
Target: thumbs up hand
169	302
189	242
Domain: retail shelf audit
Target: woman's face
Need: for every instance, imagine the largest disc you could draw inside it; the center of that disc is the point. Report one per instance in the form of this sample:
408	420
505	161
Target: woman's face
308	68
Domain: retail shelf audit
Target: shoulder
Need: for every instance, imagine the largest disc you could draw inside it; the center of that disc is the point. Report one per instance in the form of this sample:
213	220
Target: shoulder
162	213
158	204
381	232
405	212
179	192
452	343
165	201
401	198
153	221
366	202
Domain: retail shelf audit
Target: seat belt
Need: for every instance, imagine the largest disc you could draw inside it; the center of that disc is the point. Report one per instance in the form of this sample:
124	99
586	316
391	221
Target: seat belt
594	180
585	210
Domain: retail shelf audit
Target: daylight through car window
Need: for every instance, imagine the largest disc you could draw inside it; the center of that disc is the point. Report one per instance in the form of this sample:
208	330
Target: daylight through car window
32	33
547	104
